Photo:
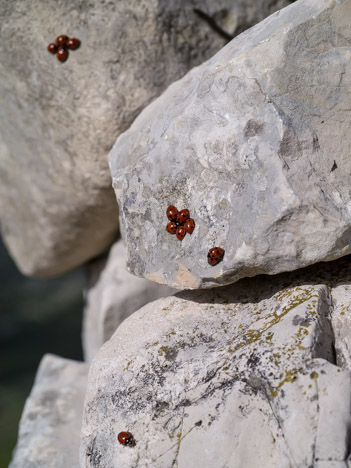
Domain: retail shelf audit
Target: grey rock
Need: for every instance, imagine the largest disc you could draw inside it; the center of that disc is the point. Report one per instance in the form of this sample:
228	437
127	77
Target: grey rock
59	121
239	376
255	143
111	296
342	324
49	432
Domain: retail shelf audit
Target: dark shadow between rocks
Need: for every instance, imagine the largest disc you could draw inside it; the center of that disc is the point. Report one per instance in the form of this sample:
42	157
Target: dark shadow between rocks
260	287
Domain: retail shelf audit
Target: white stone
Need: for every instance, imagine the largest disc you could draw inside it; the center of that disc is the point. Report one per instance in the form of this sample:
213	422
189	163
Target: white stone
111	296
342	323
58	121
255	143
49	432
234	377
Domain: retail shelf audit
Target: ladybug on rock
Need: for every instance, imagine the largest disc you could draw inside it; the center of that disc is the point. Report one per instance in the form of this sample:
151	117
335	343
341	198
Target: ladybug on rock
180	222
215	255
126	438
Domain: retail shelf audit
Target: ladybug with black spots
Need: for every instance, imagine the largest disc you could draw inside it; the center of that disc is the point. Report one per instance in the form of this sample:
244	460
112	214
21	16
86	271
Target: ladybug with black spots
189	226
182	216
180	232
180	222
126	438
171	227
215	255
172	213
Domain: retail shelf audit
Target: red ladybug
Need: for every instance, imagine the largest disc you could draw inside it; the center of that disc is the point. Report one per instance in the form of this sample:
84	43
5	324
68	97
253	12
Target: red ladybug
172	213
61	40
189	226
180	232
73	43
215	255
126	438
171	227
52	48
182	216
62	54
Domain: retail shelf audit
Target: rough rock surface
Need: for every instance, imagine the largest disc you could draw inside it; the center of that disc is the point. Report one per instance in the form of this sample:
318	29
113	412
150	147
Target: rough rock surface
112	295
59	121
239	376
255	143
49	432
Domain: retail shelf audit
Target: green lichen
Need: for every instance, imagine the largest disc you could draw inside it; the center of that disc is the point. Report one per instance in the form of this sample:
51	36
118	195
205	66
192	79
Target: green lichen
128	364
163	350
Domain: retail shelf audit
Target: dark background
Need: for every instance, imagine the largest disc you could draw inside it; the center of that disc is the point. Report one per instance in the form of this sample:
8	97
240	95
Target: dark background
36	317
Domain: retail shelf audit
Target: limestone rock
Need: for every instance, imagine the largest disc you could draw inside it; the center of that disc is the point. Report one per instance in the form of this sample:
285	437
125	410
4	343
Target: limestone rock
49	432
255	143
236	377
111	296
58	121
342	324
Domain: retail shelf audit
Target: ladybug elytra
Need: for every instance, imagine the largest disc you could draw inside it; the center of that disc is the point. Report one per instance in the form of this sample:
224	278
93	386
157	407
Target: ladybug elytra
182	216
189	226
126	438
62	54
180	232
215	255
61	40
172	213
73	43
52	48
171	227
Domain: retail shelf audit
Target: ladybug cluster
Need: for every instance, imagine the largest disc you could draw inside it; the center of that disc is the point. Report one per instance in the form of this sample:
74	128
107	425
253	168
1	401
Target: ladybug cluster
61	46
126	438
180	222
215	255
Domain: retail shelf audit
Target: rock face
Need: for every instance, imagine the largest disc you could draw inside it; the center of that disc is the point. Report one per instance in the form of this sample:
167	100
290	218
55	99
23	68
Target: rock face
58	121
239	376
49	433
111	296
255	143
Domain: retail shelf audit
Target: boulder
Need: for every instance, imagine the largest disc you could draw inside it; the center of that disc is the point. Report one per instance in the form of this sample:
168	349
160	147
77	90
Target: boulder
255	143
112	294
239	376
58	121
49	432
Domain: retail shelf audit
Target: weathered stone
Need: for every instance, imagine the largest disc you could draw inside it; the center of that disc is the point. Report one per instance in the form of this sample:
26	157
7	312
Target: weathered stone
58	121
49	432
255	143
112	295
341	322
237	377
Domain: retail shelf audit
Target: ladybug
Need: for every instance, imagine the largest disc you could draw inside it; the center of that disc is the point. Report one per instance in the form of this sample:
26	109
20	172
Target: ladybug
182	216
126	438
180	232
73	43
52	48
62	54
189	226
61	40
172	213
171	227
215	255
